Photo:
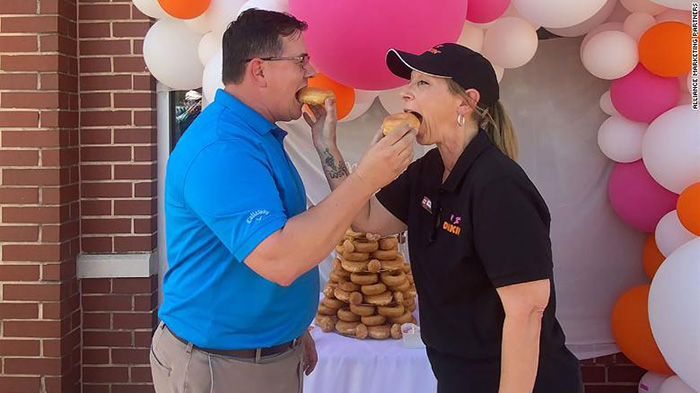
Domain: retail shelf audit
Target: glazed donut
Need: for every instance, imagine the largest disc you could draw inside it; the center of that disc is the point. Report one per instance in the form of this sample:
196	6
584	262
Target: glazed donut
332	303
328	290
374	266
380	332
412	291
347	328
353	266
373	237
314	96
411	308
393	278
355	298
344	314
407	268
336	263
326	322
352	234
364	278
410	278
362	310
408	301
341	295
396	332
405	318
384	255
373	289
356	256
361	332
388	243
404	286
325	310
367	246
391	311
398	120
398	297
380	300
348	286
392	265
374	320
348	246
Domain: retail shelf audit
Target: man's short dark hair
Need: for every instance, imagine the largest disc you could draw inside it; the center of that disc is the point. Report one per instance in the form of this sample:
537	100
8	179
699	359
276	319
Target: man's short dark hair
256	33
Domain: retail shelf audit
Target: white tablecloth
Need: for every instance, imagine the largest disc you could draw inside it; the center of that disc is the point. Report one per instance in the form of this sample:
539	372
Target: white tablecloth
347	365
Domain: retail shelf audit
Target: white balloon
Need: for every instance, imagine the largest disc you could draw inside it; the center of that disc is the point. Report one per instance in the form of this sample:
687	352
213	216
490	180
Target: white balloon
606	104
621	139
675	385
357	110
511	11
609	26
222	12
674	15
511	42
170	52
269	5
151	8
636	24
610	55
472	37
211	81
671	148
362	96
677	4
557	13
589	24
500	71
392	100
644	6
674	312
209	45
651	382
198	24
671	234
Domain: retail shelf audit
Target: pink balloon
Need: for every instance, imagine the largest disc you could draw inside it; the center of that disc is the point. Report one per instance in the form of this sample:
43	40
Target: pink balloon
348	39
642	96
484	11
637	198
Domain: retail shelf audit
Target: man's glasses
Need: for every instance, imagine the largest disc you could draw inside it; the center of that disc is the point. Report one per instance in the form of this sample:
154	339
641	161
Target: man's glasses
302	60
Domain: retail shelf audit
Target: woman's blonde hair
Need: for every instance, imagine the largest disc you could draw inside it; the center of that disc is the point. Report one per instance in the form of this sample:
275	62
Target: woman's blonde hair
494	120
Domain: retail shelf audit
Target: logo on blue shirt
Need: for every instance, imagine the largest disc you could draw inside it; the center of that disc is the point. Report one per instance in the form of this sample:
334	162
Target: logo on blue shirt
257	216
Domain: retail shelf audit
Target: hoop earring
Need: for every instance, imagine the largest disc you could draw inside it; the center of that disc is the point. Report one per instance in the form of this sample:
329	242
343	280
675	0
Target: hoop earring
460	120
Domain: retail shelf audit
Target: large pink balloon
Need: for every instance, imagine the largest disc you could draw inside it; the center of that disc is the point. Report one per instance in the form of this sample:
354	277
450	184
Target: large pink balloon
642	96
639	200
484	11
348	39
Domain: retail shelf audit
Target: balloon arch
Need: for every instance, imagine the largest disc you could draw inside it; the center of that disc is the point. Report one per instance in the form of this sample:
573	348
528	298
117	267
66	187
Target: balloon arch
653	133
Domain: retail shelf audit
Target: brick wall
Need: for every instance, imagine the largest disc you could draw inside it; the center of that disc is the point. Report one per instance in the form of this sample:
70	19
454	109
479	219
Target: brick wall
39	233
611	374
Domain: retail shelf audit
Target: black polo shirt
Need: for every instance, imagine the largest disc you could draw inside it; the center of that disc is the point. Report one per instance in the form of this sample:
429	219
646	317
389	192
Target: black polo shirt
486	227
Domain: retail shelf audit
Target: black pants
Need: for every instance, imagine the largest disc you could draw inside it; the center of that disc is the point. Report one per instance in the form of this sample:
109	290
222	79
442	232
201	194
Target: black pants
557	373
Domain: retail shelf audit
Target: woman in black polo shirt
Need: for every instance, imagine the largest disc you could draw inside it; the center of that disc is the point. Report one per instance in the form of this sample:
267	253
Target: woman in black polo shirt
478	233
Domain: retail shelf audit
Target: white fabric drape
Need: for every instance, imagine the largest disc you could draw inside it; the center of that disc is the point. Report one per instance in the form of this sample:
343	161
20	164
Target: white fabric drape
553	102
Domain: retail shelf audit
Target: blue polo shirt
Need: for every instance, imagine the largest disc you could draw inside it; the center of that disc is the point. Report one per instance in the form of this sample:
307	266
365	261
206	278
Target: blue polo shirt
229	185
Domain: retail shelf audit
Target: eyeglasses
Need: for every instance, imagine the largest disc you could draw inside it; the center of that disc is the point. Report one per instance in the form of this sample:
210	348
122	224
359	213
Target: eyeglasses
302	60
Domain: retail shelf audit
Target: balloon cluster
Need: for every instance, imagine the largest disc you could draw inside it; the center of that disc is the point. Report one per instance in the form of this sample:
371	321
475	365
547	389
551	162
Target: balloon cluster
641	46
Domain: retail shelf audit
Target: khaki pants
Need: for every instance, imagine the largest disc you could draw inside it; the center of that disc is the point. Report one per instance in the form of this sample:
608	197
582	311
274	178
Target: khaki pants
179	368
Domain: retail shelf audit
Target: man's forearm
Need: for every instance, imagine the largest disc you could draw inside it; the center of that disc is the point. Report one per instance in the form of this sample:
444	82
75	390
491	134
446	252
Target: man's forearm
520	353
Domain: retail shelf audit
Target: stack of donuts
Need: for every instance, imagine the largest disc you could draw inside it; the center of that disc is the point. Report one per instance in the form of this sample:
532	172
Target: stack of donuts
370	292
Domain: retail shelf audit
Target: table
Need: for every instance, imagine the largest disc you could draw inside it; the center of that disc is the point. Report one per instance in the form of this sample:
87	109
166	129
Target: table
348	365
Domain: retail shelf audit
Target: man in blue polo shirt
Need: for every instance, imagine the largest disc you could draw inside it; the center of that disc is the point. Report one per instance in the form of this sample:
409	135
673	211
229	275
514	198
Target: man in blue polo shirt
242	285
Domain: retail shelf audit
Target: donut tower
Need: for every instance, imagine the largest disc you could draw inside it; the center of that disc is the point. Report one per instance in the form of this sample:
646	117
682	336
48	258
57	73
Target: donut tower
370	292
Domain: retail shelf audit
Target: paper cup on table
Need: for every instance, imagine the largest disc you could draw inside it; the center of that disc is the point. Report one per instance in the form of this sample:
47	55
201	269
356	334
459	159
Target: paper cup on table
411	336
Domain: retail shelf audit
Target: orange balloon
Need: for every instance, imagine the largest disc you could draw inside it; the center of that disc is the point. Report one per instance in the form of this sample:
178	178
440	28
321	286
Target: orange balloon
664	49
652	258
632	330
184	9
344	95
689	208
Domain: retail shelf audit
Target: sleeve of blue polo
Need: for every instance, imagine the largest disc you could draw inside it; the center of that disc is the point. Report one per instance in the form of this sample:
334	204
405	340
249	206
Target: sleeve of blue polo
231	188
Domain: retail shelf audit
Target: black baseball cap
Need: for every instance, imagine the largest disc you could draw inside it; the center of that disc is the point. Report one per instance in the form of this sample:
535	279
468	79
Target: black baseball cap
469	69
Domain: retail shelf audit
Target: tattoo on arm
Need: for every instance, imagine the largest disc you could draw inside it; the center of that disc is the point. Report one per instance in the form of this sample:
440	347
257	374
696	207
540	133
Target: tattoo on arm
333	169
